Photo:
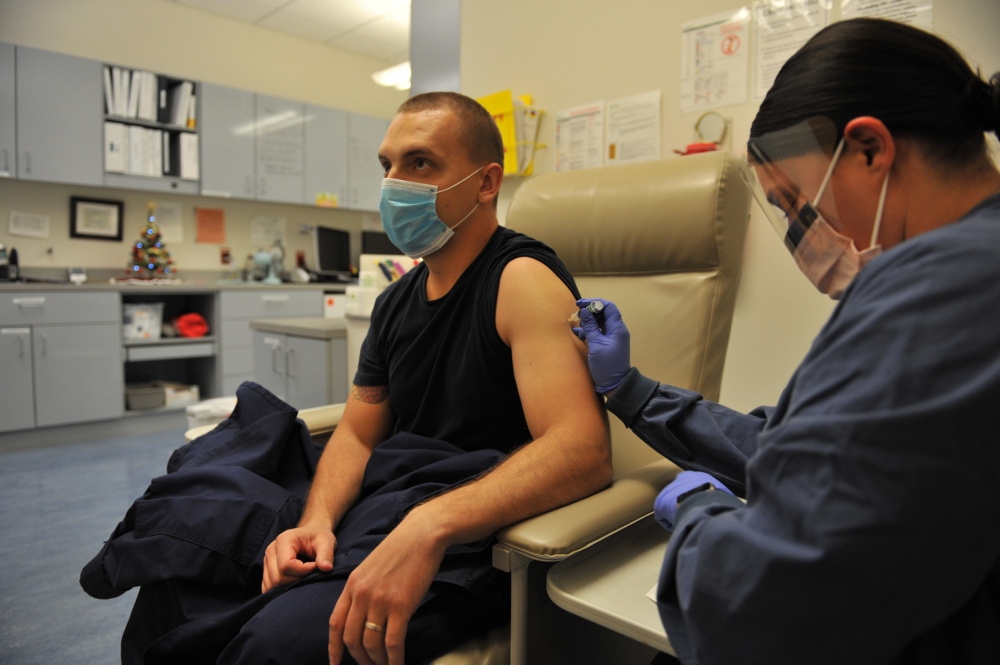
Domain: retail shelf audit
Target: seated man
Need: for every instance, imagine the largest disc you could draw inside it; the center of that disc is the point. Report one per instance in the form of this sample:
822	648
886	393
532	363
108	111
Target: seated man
469	349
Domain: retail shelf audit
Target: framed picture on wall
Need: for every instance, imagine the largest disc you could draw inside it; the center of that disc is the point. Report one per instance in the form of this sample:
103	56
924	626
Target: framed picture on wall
95	218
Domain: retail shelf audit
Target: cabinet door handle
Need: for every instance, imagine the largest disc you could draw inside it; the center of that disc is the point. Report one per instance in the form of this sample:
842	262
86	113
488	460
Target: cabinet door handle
274	359
288	365
45	345
275	298
21	334
30	303
263	189
6	161
27	162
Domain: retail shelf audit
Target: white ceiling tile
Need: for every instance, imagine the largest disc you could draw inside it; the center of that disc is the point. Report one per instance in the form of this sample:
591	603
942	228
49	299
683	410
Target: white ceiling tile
375	28
243	10
366	46
319	19
387	28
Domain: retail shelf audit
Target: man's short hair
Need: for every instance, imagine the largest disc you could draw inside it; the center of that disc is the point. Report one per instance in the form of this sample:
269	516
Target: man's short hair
476	128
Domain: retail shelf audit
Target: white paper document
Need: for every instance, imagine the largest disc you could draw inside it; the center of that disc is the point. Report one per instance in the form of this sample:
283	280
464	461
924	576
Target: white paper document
265	230
580	137
27	225
715	60
919	13
782	27
168	218
633	129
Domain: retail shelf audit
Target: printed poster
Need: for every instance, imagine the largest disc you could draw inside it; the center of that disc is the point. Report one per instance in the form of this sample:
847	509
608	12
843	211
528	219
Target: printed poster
715	60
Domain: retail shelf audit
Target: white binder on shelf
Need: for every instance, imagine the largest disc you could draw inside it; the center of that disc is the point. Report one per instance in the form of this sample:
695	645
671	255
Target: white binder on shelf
133	95
136	150
154	165
115	147
188	156
181	102
116	91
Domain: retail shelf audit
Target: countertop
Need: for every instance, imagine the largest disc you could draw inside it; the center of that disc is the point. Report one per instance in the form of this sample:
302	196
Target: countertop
193	287
315	327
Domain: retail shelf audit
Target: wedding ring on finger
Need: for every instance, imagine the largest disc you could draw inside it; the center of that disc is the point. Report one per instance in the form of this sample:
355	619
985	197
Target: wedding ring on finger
374	626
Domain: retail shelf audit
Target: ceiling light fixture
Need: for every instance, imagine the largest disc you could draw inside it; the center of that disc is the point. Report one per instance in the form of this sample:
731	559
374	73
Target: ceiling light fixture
397	77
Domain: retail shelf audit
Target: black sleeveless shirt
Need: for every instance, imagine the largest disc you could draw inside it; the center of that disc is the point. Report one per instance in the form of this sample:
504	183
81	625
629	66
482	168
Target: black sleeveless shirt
450	376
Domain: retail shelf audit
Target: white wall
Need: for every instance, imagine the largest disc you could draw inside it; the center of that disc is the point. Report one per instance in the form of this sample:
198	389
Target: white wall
570	52
173	39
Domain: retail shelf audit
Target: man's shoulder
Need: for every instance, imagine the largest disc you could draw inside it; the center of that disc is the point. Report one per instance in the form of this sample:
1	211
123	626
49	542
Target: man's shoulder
516	253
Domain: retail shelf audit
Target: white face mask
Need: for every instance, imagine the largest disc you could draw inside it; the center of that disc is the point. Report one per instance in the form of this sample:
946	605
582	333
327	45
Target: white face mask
829	259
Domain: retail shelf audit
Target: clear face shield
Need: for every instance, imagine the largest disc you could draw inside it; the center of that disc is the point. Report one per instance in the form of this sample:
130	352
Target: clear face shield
789	174
786	172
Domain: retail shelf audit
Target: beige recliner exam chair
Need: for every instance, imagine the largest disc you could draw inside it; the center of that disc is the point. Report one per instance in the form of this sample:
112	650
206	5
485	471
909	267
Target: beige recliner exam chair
664	241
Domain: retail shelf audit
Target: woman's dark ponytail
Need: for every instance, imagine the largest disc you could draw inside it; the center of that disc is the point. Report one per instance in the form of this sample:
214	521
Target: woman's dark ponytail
993	105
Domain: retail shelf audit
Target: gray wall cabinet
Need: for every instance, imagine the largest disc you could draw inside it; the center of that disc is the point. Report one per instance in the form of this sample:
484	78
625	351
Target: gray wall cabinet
366	172
8	110
59	118
227	141
326	156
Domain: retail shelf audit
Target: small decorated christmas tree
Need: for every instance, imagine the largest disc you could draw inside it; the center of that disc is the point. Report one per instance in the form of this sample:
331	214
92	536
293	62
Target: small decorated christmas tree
150	257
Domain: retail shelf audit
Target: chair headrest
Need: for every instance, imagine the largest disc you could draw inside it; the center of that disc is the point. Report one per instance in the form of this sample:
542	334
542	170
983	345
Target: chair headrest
651	217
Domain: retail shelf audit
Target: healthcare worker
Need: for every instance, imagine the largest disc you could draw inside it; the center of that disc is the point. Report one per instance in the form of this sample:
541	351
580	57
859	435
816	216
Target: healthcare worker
871	527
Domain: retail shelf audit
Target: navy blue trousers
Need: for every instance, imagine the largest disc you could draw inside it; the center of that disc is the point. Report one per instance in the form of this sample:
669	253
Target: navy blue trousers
194	545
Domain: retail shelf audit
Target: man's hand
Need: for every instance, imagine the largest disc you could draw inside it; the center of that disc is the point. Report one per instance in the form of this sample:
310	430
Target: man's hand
283	558
607	348
382	593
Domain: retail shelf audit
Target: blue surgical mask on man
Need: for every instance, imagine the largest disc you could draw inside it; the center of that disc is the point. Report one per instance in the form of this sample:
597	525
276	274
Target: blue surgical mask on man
410	219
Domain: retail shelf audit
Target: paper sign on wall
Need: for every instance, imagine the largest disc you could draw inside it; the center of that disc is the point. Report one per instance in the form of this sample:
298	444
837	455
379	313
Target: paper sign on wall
715	60
168	218
210	225
915	12
633	129
782	27
580	137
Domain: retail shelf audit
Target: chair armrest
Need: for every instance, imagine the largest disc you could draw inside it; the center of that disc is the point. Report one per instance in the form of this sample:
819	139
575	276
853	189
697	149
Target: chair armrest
322	419
318	420
559	533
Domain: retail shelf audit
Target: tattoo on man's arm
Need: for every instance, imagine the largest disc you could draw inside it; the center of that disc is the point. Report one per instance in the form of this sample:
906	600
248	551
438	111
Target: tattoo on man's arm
370	394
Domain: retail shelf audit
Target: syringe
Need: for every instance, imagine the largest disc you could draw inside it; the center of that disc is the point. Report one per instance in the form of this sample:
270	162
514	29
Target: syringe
595	308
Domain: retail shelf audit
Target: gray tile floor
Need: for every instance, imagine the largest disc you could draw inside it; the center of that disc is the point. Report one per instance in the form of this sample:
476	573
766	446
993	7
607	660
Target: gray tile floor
57	507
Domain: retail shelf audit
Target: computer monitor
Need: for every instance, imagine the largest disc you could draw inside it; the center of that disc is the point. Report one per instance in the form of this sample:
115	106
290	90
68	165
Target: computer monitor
333	253
377	242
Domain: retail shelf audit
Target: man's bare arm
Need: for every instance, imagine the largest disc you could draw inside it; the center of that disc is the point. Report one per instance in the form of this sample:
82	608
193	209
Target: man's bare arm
569	457
366	421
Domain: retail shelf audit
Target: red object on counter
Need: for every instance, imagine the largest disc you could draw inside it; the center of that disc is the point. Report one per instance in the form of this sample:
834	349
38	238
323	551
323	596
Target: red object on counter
695	148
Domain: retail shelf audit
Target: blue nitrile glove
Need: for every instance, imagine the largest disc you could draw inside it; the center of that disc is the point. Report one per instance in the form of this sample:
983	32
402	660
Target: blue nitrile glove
665	506
607	349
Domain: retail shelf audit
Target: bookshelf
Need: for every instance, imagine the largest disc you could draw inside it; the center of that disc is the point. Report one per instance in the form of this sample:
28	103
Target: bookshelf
150	131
